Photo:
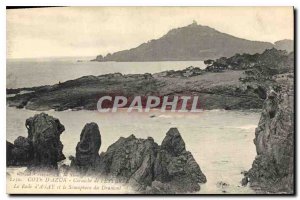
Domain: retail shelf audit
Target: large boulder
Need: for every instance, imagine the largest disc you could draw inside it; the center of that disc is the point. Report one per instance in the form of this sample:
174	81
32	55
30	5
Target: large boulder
87	156
42	149
177	167
44	132
132	159
273	168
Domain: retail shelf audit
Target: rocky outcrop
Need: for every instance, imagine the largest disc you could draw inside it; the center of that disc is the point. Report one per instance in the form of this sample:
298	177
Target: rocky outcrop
142	163
278	59
44	133
20	153
132	159
259	71
175	168
185	73
87	150
273	168
42	149
150	168
222	85
215	90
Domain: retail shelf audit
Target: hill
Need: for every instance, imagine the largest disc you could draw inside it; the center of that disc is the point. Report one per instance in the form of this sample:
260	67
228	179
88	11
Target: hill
192	42
287	45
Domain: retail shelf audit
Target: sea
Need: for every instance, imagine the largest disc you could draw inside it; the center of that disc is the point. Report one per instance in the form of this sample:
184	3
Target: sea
220	141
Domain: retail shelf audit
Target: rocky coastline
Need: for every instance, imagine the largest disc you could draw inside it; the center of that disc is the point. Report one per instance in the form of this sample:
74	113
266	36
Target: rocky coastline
227	83
144	165
264	81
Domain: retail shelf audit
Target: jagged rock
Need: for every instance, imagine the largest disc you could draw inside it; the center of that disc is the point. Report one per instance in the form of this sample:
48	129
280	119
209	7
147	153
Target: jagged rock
87	156
146	166
130	158
151	168
42	149
174	162
22	153
273	167
44	133
173	142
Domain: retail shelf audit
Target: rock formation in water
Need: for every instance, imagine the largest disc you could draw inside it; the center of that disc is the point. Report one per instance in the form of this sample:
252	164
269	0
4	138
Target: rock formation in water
175	169
273	168
42	149
146	166
142	163
150	168
87	149
132	159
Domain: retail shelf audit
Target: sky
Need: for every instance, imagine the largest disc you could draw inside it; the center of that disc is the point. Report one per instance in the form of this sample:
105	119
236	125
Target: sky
90	31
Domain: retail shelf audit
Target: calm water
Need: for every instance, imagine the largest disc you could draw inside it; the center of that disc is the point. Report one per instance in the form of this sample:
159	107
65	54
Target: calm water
36	72
221	141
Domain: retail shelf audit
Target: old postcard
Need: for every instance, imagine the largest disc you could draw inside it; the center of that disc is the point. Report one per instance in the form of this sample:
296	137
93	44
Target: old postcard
150	100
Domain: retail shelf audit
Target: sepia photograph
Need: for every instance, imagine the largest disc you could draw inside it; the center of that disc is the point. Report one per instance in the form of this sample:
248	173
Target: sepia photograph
150	100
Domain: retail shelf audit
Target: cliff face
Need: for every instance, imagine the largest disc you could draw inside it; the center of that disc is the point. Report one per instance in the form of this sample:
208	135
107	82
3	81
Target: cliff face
192	42
273	168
